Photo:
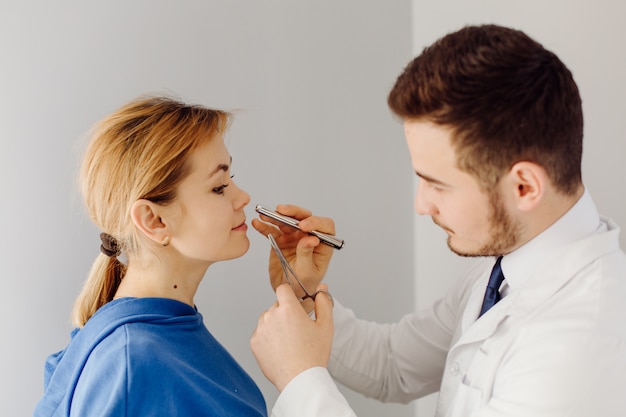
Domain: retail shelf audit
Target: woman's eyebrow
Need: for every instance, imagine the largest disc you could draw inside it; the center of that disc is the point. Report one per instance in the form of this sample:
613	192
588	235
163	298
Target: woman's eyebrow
221	167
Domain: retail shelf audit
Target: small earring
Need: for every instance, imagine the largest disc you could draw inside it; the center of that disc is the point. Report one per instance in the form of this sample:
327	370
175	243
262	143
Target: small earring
165	241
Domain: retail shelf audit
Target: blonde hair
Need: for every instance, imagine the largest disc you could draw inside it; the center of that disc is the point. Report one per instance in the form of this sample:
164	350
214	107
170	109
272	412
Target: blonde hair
139	152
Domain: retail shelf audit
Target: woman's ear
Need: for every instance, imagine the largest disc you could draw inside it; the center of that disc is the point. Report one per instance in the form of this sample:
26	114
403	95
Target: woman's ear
147	218
530	181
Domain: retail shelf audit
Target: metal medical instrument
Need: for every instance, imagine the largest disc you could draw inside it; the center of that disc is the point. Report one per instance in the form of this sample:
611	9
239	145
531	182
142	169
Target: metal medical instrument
287	269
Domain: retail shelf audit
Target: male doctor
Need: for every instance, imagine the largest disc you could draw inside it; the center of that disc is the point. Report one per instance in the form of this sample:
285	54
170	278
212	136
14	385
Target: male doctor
494	127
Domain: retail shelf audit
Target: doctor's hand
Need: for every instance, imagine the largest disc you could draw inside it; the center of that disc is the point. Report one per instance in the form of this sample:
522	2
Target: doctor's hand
287	341
307	256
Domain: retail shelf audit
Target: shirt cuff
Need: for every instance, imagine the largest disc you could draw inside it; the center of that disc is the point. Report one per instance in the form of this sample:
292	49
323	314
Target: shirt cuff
312	393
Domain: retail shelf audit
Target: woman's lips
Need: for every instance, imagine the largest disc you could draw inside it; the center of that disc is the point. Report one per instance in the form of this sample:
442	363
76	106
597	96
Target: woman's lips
241	228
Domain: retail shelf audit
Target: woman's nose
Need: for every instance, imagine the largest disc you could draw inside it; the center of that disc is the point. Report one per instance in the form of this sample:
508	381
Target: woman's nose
242	198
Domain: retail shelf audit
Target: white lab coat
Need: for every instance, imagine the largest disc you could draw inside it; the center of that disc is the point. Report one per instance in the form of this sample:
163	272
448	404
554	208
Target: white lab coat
554	347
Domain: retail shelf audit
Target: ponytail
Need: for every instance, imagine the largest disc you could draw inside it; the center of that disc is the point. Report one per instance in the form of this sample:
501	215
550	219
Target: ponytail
102	283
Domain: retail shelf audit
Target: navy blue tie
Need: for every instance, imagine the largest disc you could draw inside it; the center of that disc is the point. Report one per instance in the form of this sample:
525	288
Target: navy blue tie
492	293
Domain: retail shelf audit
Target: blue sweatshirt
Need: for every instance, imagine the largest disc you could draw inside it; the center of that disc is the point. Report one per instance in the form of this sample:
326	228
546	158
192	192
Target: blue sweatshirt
146	357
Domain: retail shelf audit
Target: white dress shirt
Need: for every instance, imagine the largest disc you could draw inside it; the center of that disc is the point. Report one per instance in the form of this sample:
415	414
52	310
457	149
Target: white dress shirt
555	345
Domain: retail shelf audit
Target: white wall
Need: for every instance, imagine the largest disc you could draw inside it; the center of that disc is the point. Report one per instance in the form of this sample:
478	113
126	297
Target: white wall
589	39
311	80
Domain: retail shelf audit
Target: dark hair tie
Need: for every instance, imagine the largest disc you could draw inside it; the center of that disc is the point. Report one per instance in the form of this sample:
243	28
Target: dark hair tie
110	246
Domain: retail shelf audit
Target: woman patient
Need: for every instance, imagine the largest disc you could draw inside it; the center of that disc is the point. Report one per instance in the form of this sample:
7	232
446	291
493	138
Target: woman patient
156	180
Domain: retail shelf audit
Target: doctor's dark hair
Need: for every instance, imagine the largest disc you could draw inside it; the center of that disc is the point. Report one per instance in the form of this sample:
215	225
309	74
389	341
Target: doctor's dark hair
141	151
505	98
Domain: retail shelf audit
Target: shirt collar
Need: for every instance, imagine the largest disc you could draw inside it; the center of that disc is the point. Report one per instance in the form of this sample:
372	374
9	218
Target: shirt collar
578	222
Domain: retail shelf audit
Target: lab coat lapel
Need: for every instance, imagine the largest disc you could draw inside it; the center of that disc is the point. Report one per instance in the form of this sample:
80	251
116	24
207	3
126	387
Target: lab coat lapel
476	330
549	277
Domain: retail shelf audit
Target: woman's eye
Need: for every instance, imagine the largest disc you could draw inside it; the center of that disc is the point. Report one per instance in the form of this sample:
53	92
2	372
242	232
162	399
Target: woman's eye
220	190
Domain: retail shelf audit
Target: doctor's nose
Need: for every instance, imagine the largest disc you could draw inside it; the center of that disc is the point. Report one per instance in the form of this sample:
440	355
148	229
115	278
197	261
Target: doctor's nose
423	203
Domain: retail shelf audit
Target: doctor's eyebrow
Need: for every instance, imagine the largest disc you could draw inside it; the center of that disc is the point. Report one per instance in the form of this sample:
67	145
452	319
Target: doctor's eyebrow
431	179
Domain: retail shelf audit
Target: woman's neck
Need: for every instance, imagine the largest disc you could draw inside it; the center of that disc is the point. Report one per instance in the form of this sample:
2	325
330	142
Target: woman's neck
175	280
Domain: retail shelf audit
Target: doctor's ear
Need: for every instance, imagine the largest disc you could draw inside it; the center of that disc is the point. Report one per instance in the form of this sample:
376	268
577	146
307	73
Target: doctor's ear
530	181
146	216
